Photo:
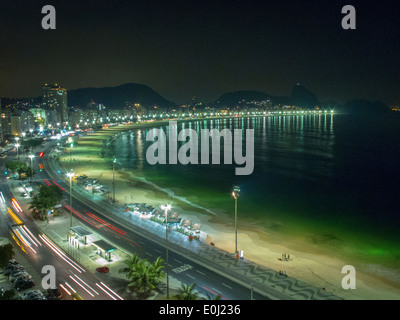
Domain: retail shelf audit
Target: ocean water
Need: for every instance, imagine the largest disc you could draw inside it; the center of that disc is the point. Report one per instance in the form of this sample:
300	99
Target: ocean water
331	180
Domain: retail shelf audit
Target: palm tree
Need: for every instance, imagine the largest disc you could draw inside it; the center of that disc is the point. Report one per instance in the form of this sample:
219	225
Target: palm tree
157	268
131	263
143	275
142	278
186	292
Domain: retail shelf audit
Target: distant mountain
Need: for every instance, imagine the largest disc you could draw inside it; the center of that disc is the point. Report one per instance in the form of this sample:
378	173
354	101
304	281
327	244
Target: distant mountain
6	101
361	106
118	97
231	99
300	96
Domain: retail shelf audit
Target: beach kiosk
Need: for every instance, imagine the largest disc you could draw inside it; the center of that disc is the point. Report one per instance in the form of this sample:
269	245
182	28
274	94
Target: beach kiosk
173	218
104	249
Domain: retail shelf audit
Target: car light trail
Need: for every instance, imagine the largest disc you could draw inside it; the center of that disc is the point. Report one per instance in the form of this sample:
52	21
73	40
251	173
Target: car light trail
100	223
86	284
47	182
215	293
2	200
61	254
30	236
62	287
58	185
107	293
30	233
81	286
72	289
80	215
109	290
105	223
16	205
23	239
14	216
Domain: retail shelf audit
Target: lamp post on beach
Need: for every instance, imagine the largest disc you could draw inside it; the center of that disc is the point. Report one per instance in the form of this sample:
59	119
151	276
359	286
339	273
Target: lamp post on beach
235	194
70	175
113	184
166	208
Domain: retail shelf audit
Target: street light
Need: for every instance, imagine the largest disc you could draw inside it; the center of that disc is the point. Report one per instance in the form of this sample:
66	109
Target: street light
70	175
31	156
235	194
17	145
114	161
166	208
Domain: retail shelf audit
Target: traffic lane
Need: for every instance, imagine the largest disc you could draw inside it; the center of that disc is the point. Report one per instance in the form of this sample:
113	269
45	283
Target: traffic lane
219	284
66	268
206	280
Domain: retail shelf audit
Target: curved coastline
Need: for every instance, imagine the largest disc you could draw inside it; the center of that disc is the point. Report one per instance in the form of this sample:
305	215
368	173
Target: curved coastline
261	246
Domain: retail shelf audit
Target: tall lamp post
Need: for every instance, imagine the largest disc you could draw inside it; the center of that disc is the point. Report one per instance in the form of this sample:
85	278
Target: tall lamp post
166	208
23	140
235	194
114	161
70	175
31	156
17	145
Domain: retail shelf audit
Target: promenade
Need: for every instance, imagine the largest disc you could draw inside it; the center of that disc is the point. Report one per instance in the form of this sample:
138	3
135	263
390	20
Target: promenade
247	273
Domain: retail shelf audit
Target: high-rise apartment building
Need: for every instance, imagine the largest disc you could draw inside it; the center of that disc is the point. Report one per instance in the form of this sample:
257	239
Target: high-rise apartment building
55	98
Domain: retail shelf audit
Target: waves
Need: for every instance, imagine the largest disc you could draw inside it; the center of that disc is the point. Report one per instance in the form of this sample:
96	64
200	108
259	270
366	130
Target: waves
172	194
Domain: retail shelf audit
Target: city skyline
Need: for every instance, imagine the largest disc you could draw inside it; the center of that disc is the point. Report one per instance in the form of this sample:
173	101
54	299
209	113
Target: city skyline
203	49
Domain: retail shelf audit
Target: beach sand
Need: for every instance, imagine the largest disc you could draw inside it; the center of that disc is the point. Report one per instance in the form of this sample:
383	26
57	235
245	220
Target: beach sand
307	263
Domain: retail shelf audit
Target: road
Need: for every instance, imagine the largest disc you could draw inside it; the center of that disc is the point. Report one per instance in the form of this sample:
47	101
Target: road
184	270
69	274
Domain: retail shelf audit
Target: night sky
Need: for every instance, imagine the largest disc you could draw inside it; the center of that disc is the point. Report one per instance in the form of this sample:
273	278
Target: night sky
203	48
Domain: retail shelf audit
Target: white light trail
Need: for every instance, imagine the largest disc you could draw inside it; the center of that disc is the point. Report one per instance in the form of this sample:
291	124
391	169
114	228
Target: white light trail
106	292
87	285
30	236
111	291
69	293
81	286
70	287
61	254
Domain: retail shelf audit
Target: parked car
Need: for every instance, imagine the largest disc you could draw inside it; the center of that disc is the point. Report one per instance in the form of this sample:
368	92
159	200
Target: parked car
13	270
24	284
21	276
11	266
16	275
103	269
38	297
54	294
12	261
32	294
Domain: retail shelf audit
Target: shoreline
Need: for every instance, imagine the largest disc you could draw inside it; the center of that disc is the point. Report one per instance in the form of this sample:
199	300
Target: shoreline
260	246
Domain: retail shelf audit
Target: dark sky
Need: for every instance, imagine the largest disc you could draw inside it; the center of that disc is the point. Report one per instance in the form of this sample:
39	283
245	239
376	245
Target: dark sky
203	48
